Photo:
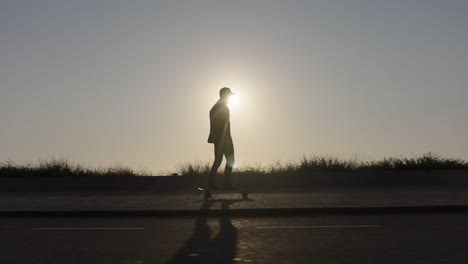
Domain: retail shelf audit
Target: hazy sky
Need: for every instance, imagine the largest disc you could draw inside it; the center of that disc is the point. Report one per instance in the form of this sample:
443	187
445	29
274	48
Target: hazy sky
118	82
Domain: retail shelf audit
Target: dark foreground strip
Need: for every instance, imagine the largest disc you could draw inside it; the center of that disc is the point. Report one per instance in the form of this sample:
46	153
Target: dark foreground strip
242	212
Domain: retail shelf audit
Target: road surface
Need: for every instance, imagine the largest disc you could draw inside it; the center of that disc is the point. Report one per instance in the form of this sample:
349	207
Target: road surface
410	238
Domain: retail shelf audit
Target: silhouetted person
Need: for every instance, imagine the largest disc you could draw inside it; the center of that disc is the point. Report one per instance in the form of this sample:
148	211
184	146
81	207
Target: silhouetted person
220	136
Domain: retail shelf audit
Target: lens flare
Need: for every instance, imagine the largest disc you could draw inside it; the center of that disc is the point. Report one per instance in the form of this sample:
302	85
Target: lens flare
234	100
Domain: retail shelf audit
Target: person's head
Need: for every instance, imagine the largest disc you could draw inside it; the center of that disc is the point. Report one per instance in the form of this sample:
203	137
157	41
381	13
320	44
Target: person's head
225	93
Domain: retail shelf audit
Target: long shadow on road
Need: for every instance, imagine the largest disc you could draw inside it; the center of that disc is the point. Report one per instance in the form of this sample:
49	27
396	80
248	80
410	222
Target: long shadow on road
200	248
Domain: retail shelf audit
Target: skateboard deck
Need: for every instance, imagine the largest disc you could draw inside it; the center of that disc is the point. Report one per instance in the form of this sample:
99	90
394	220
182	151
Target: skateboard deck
208	193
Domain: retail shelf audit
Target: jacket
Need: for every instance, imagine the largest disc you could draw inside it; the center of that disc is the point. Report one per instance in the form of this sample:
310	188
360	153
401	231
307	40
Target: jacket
220	127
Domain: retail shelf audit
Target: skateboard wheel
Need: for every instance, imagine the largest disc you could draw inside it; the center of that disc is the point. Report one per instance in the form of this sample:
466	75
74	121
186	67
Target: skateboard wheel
245	195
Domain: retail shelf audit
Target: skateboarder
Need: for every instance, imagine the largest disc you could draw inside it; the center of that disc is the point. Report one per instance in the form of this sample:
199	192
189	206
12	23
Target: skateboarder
220	136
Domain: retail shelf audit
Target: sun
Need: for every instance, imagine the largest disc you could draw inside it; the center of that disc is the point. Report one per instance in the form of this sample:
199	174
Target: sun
234	100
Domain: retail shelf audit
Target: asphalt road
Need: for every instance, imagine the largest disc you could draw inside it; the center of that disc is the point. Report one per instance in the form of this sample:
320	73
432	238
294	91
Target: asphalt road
410	238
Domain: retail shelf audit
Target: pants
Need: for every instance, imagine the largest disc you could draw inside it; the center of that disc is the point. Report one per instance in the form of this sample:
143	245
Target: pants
223	149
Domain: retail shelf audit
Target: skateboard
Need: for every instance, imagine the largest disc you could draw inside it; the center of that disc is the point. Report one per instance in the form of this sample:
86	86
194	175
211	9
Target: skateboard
208	193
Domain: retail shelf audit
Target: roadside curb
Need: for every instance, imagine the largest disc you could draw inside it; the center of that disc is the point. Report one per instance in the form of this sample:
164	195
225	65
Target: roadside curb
257	212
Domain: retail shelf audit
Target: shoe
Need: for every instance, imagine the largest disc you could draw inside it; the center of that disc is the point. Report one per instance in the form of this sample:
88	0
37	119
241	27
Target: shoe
213	187
229	187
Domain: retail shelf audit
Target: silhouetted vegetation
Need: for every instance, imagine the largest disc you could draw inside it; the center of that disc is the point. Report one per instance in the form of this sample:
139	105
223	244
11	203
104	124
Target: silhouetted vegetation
427	161
62	168
307	164
197	168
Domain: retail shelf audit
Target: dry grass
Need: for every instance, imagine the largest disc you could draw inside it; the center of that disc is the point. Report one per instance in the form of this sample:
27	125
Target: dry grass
307	164
62	168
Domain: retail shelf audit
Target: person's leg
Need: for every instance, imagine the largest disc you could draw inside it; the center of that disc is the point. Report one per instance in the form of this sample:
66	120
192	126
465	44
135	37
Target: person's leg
218	159
230	160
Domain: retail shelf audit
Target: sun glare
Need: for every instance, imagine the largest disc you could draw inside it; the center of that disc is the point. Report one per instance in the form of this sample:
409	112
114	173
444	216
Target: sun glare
234	100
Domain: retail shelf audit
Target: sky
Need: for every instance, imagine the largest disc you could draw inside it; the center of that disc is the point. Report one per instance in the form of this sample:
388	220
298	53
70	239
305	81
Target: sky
117	82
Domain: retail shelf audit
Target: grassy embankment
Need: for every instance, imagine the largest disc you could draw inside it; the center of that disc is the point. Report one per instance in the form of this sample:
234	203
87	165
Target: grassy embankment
307	164
310	164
